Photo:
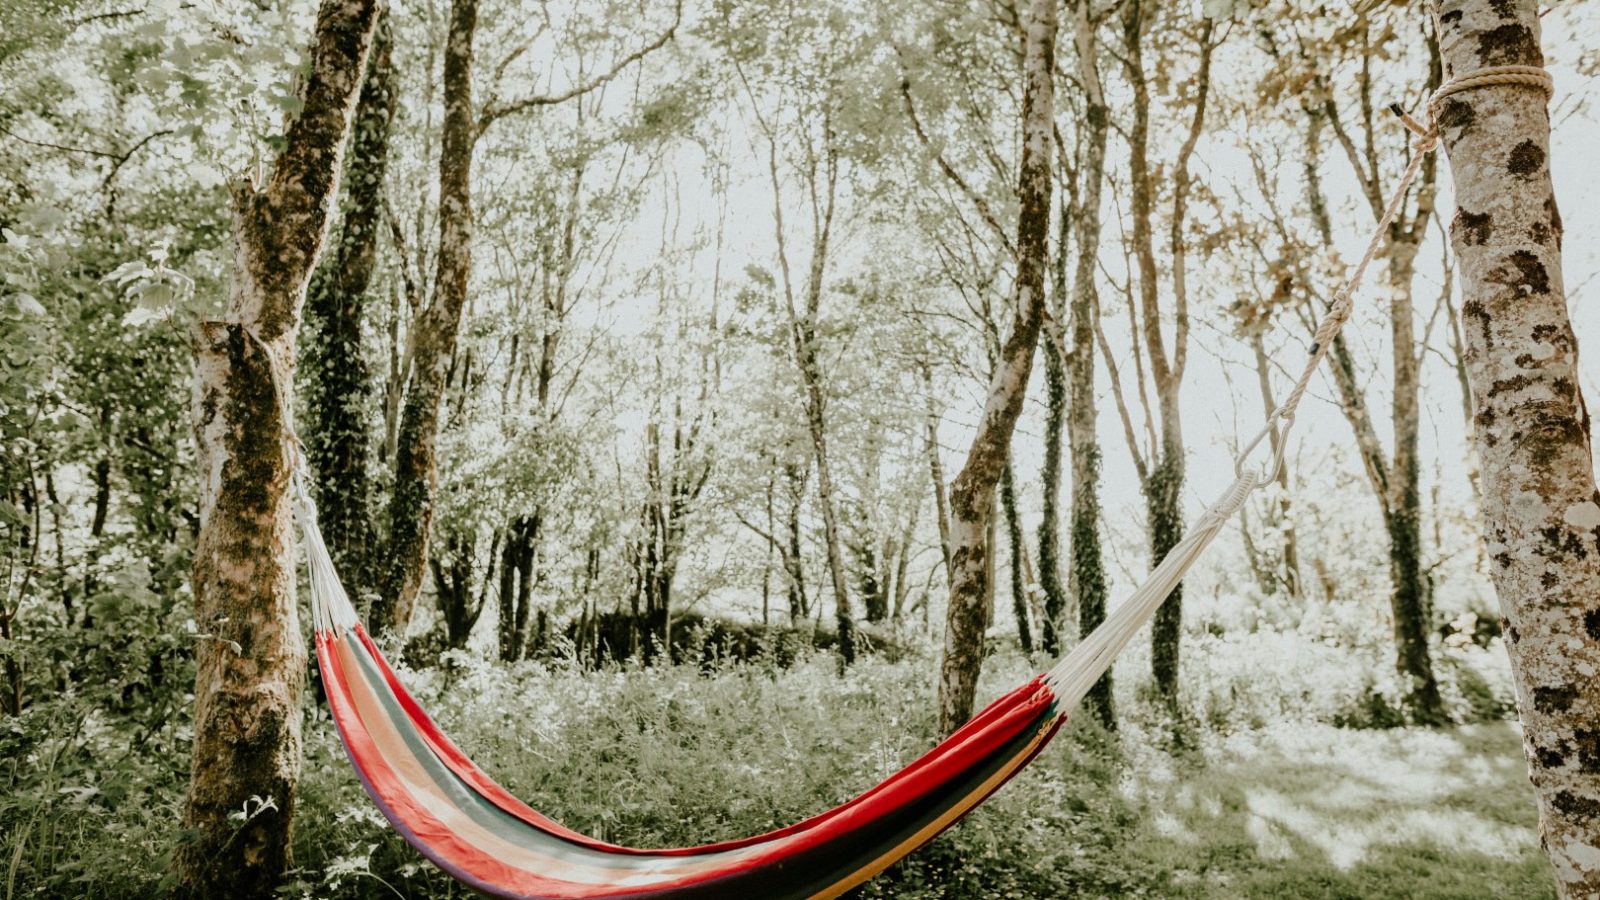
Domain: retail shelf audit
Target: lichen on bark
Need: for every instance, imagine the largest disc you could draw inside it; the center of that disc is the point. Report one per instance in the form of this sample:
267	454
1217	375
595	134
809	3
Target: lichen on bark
1540	507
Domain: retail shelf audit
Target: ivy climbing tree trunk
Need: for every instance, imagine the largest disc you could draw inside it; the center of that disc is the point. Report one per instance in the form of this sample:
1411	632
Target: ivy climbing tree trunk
433	340
338	380
972	493
250	669
1019	577
1087	578
1531	426
1163	479
434	333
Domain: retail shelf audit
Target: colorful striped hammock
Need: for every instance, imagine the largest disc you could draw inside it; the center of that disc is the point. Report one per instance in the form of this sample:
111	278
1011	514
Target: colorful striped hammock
470	827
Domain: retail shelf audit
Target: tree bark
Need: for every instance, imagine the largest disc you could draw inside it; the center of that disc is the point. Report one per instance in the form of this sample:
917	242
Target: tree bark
1163	485
1087	577
338	379
1019	579
250	671
433	339
972	493
1531	427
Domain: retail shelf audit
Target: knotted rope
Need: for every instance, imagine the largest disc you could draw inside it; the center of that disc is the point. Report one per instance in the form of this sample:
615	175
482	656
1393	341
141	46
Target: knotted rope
1073	676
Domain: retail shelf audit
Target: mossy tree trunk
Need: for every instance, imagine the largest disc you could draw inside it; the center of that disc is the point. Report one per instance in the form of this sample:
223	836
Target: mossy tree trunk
1019	577
250	671
433	340
972	493
1051	624
1163	481
435	330
1540	507
335	370
1087	577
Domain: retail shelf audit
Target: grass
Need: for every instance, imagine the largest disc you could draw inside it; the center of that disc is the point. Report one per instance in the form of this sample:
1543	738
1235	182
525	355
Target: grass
1316	811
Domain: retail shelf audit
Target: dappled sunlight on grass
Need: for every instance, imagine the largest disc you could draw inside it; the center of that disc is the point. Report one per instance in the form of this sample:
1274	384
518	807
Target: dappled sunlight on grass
1321	811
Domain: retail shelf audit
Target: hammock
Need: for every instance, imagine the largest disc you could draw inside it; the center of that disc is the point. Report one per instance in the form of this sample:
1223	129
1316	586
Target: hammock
469	826
472	828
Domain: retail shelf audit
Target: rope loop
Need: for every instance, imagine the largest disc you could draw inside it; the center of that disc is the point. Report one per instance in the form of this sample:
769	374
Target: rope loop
1524	76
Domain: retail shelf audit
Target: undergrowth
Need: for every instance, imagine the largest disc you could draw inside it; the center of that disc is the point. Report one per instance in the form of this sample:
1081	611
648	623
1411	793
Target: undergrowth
1227	801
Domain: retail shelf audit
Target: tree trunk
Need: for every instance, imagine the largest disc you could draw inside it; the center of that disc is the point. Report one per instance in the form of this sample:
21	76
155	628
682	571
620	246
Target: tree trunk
1395	479
1404	504
1288	563
1019	580
339	382
793	561
1087	579
1055	593
1163	486
972	493
806	352
433	340
250	672
1532	429
941	498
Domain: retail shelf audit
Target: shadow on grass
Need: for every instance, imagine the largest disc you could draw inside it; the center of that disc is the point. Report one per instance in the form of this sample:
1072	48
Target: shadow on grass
1321	812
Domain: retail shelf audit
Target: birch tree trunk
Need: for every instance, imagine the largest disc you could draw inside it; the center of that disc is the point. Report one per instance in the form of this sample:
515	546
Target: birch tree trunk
1531	427
250	672
1087	578
339	381
972	493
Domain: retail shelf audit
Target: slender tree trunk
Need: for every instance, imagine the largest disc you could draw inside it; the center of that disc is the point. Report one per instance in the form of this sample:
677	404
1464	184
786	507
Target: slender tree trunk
806	352
1532	429
1282	517
1055	593
1019	580
1163	486
250	672
1087	578
1404	504
433	340
941	499
339	381
793	561
1395	479
972	494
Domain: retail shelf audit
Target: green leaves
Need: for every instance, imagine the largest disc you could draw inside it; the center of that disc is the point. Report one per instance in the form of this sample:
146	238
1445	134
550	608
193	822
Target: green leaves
156	290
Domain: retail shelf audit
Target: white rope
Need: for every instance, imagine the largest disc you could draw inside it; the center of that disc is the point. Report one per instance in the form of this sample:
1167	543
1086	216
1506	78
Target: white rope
1073	676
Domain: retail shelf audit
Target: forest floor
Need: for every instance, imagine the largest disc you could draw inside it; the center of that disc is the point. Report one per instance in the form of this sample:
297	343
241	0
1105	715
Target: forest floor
1310	810
1258	793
